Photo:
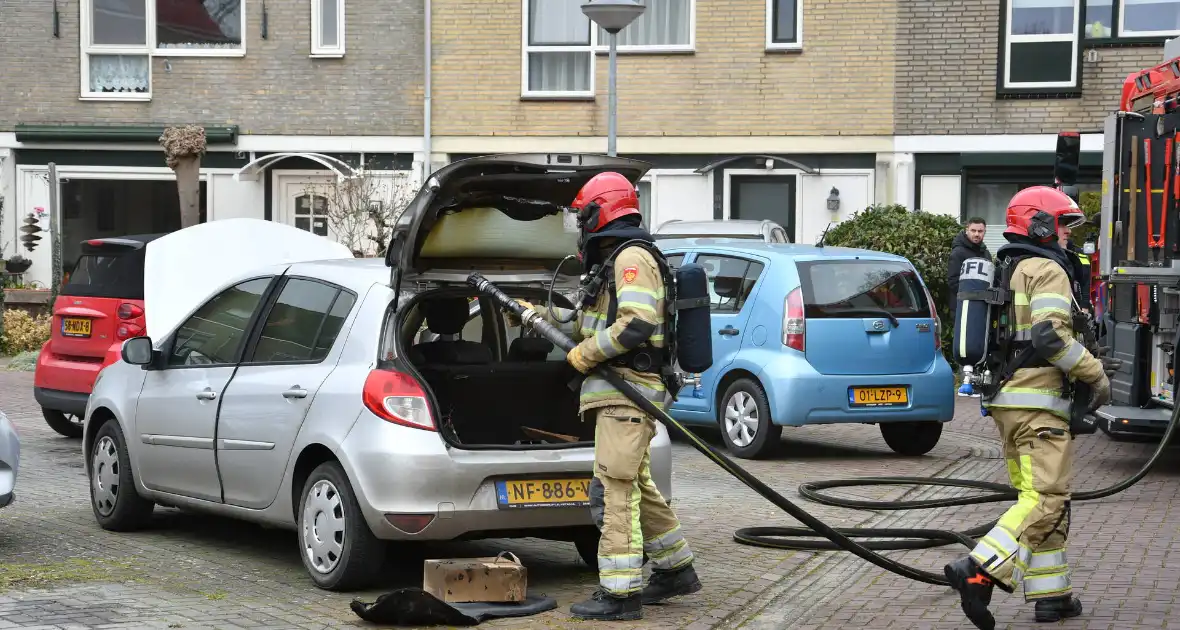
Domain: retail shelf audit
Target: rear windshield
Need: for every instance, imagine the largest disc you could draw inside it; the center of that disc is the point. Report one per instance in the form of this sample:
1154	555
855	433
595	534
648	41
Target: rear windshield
118	275
856	288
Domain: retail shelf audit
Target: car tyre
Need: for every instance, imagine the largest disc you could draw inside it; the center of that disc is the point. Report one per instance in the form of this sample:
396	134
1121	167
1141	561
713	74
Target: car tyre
338	549
911	438
114	498
744	418
62	423
587	545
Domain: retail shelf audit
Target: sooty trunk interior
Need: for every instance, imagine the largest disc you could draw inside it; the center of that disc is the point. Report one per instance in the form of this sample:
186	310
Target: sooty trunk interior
507	403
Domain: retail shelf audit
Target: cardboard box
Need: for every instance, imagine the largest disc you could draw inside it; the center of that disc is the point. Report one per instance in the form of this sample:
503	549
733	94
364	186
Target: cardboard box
499	579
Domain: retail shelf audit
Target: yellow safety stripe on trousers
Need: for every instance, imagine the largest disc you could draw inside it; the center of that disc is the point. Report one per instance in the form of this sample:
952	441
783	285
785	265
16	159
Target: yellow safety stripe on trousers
1047	562
996	547
1046	586
623	575
668	550
1030	398
1026	502
1045	303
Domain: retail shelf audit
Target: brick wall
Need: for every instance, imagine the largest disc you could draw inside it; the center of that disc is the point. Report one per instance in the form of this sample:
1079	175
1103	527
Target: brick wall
376	89
946	77
841	83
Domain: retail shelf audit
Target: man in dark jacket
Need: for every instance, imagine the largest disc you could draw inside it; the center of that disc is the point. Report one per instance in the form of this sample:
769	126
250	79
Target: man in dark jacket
967	244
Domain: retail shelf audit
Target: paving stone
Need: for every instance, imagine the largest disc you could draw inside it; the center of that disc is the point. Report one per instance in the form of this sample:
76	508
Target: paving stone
195	571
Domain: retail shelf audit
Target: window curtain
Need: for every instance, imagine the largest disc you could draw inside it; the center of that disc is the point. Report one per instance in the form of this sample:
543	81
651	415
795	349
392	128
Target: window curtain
558	23
664	23
119	73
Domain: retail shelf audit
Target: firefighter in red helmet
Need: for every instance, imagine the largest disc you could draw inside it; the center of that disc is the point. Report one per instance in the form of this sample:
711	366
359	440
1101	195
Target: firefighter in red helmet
623	326
1032	409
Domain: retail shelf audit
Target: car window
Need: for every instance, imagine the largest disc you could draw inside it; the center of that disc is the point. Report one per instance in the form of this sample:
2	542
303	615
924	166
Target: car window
850	288
303	322
472	330
730	280
675	260
213	335
110	275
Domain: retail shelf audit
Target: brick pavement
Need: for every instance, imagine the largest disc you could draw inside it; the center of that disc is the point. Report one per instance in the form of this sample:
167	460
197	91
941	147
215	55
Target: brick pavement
1124	551
193	571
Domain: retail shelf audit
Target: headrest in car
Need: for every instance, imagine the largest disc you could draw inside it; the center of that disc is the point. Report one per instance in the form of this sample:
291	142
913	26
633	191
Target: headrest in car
530	349
446	316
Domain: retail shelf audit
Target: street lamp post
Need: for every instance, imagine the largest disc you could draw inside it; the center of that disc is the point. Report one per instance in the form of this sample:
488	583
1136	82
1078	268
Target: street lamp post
613	16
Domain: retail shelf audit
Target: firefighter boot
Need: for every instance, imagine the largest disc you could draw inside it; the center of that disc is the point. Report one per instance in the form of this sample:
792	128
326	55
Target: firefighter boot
1057	608
975	591
602	606
664	585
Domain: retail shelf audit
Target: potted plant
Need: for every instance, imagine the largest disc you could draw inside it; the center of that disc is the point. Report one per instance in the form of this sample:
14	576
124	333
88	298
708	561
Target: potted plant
18	264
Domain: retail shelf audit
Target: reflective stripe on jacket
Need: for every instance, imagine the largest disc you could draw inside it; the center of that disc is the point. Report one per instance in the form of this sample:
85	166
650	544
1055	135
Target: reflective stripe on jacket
639	318
1041	295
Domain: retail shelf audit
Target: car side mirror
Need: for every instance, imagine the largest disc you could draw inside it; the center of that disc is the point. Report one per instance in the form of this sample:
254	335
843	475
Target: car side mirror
138	351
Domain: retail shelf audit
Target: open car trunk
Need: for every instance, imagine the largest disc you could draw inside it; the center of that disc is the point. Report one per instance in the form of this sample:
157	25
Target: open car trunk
490	386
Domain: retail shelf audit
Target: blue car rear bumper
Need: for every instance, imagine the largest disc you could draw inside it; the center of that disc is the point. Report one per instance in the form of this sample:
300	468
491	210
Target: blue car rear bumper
798	395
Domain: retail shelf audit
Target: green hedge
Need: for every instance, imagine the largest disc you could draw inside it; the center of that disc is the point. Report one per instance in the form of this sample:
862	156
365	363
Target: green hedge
924	239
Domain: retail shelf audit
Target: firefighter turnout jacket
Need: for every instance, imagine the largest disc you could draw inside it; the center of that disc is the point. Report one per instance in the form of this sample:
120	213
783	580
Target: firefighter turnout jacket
1042	299
639	319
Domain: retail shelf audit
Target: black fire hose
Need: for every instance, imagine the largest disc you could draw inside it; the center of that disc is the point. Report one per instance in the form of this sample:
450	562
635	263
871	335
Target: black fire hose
839	537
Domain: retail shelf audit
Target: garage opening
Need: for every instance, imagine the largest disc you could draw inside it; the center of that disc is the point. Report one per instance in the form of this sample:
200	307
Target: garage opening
104	208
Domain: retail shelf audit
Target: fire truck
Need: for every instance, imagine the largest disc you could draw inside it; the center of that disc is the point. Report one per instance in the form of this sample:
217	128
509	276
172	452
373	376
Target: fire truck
1138	285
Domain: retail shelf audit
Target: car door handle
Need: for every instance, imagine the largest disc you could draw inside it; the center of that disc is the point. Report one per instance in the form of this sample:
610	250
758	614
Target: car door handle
295	392
729	330
208	394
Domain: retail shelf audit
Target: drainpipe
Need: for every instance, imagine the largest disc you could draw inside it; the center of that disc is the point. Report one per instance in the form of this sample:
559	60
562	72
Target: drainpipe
426	144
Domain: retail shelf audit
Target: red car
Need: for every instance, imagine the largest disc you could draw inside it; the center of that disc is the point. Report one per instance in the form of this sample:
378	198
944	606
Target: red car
99	307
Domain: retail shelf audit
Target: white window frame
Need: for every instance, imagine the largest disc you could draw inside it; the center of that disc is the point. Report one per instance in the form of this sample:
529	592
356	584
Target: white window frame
149	50
773	45
603	47
1122	34
86	26
318	50
1010	39
525	49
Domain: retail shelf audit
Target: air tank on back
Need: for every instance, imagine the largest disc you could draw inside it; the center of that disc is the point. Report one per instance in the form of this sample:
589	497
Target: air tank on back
972	318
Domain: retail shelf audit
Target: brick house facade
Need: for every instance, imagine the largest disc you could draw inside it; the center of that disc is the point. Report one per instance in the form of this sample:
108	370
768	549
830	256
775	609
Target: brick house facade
757	109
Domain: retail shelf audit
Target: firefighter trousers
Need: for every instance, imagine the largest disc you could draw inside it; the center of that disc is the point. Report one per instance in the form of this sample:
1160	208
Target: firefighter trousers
1028	543
627	507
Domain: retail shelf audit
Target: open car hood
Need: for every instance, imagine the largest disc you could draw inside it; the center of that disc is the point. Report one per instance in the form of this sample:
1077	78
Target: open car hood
507	212
184	268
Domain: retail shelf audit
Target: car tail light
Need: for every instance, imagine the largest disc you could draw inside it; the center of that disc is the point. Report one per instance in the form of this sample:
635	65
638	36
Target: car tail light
794	324
128	310
398	398
937	319
128	331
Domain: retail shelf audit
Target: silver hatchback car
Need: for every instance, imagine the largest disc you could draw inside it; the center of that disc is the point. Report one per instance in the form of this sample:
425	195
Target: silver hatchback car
360	401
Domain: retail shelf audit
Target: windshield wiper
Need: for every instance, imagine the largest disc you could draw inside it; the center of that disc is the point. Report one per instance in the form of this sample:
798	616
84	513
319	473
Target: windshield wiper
869	309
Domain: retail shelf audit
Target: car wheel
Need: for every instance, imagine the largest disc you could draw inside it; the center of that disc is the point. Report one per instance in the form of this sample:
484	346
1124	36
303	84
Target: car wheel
67	425
587	545
335	543
745	420
116	503
911	438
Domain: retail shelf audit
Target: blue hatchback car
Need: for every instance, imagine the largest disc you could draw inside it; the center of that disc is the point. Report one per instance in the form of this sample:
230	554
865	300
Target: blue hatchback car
815	335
